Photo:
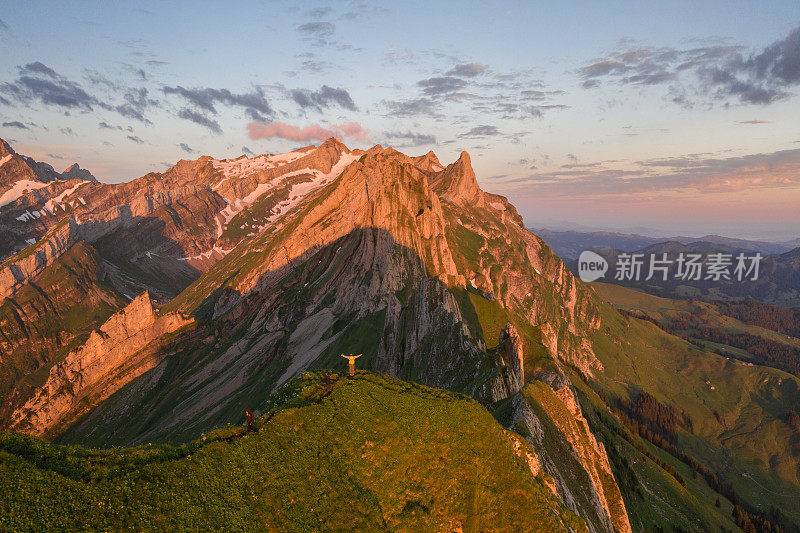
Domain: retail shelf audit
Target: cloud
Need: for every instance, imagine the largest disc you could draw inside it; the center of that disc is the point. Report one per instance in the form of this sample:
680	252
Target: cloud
318	13
323	98
754	122
206	99
319	33
481	131
200	119
572	157
440	86
136	103
38	83
185	147
15	124
54	156
409	139
135	139
715	73
468	70
248	151
406	108
257	130
105	126
3	26
67	131
38	68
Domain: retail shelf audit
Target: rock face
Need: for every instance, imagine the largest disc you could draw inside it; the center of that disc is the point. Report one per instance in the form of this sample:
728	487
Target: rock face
377	261
163	229
116	353
76	172
556	429
48	317
511	377
20	268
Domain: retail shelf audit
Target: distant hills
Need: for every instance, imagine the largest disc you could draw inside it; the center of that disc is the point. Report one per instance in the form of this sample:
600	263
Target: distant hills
569	244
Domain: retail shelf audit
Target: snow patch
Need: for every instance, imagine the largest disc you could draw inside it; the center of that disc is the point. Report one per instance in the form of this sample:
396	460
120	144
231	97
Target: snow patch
27	216
296	194
245	165
5	160
437	168
19	188
56	201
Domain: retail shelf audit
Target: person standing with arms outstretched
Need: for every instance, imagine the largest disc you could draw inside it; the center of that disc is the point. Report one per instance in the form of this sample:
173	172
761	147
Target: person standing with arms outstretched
352	360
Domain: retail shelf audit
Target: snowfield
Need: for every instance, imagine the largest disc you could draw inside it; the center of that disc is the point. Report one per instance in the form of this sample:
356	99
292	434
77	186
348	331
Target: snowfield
18	189
296	194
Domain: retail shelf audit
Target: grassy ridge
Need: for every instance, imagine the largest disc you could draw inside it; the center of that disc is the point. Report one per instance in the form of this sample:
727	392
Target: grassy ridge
364	453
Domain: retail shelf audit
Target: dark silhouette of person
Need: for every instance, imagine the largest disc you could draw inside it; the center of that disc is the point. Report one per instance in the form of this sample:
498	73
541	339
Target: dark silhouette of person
249	418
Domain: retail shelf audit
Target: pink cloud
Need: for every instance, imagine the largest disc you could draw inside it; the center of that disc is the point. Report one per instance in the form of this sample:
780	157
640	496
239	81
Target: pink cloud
260	130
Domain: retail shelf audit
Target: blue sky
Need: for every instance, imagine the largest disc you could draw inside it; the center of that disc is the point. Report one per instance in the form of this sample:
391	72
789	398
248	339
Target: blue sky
676	117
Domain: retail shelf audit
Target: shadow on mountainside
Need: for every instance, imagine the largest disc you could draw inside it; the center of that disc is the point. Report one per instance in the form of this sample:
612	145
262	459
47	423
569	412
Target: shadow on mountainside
363	293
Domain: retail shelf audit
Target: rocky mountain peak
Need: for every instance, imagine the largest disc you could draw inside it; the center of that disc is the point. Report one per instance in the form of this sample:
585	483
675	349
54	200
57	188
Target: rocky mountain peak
75	171
5	149
458	183
429	162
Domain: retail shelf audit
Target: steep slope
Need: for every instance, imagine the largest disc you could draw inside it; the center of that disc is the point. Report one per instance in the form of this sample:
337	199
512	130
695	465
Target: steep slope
366	453
161	231
125	346
738	412
47	318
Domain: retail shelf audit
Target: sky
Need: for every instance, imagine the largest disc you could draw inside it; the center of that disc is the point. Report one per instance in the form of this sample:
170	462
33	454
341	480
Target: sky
664	118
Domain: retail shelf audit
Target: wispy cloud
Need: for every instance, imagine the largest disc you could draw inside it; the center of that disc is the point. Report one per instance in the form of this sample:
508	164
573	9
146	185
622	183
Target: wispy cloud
37	83
206	99
200	119
402	139
325	97
15	124
468	70
481	131
715	73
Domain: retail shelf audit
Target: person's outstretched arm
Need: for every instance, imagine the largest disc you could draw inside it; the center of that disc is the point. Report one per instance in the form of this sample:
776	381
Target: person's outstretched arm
359	355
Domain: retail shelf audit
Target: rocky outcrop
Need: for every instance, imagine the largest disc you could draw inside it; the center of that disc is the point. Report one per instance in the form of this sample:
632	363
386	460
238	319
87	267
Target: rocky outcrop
119	351
458	184
76	172
549	416
511	375
26	265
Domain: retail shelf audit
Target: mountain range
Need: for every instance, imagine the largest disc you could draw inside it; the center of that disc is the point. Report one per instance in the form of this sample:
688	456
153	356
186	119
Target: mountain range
158	310
568	245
